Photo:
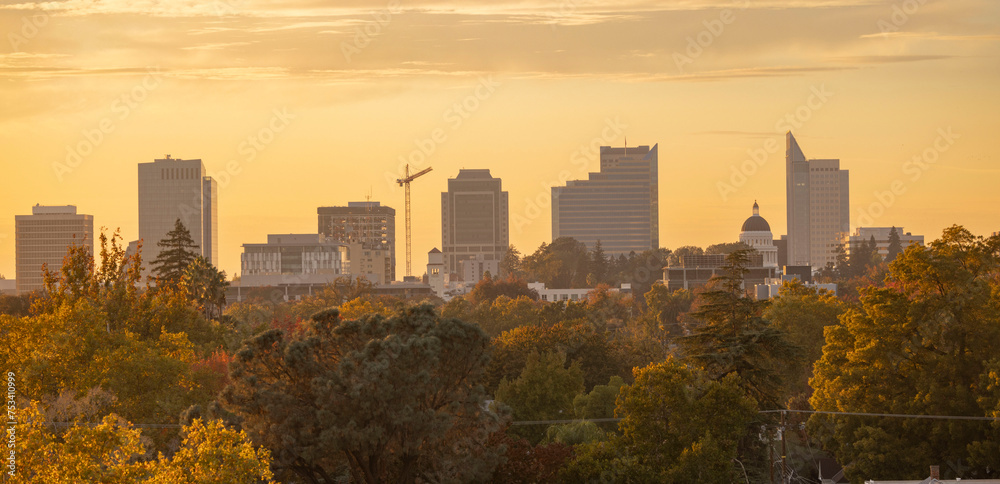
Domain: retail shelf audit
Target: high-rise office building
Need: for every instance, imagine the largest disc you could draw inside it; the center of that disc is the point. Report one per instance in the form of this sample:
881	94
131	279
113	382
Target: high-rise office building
619	206
817	194
172	189
43	238
474	219
368	223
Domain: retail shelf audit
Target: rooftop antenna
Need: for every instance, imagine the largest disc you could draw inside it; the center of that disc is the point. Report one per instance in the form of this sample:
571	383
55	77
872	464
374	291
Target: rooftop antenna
168	156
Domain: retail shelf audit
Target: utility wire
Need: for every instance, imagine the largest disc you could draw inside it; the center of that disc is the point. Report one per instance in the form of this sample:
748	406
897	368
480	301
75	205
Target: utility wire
896	415
598	420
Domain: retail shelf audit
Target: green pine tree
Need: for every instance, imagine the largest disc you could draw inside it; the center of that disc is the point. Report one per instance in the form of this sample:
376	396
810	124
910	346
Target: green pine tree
895	246
177	252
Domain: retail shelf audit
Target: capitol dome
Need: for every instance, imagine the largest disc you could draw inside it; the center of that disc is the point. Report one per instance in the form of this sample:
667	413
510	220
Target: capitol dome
756	223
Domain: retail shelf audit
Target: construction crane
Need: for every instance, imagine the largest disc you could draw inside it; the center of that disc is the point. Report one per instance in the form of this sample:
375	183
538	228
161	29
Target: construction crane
405	182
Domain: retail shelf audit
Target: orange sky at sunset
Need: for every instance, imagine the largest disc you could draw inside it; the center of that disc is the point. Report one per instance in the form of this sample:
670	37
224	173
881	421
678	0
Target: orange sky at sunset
522	88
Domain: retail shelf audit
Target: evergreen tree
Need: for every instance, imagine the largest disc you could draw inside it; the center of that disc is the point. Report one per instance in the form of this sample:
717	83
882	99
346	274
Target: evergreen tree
205	286
895	246
510	263
732	337
599	264
388	399
177	251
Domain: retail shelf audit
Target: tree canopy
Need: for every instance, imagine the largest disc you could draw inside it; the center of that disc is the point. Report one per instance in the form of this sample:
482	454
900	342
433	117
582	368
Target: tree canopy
389	399
925	344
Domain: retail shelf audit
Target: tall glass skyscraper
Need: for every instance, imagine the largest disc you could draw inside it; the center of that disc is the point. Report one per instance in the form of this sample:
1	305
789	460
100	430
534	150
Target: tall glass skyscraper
619	206
817	196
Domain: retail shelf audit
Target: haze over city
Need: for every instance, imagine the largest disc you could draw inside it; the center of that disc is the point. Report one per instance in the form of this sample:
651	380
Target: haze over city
295	105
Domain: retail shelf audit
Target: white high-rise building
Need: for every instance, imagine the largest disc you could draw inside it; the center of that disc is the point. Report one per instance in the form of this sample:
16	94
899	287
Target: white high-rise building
44	237
756	233
817	195
172	189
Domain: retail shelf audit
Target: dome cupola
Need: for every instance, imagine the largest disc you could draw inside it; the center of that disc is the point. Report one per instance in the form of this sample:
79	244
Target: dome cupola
756	223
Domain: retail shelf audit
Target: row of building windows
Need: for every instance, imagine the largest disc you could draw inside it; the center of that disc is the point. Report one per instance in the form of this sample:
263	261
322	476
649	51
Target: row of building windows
179	174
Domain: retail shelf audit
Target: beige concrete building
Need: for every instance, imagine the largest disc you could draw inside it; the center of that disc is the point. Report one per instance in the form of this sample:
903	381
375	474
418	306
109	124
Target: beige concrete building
881	234
372	262
292	259
44	237
172	189
369	223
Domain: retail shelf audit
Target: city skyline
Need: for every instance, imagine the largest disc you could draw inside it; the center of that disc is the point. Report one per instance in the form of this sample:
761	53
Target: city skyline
286	121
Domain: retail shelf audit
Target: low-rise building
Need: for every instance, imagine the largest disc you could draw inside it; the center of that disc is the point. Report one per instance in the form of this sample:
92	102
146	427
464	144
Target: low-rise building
772	287
475	267
580	294
863	235
696	270
369	261
292	259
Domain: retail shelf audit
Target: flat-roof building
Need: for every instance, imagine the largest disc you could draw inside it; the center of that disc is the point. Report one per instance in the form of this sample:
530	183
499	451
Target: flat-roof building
43	238
292	259
474	220
618	206
172	189
864	235
369	223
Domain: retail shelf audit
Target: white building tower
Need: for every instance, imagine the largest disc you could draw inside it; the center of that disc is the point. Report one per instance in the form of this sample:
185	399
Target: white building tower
756	233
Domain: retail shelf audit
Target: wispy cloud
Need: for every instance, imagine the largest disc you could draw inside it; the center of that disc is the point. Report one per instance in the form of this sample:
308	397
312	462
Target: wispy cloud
932	36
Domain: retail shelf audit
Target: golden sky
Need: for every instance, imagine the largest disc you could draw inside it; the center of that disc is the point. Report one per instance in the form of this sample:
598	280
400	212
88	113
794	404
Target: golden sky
296	104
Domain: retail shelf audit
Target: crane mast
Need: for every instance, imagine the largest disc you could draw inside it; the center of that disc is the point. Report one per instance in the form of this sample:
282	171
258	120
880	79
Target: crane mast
405	183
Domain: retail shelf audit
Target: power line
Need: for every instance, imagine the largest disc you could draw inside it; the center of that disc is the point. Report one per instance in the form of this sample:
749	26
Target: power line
896	415
600	420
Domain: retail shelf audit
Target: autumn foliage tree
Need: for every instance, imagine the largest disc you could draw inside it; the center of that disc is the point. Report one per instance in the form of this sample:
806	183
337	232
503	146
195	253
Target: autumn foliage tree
381	399
924	344
113	451
678	425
